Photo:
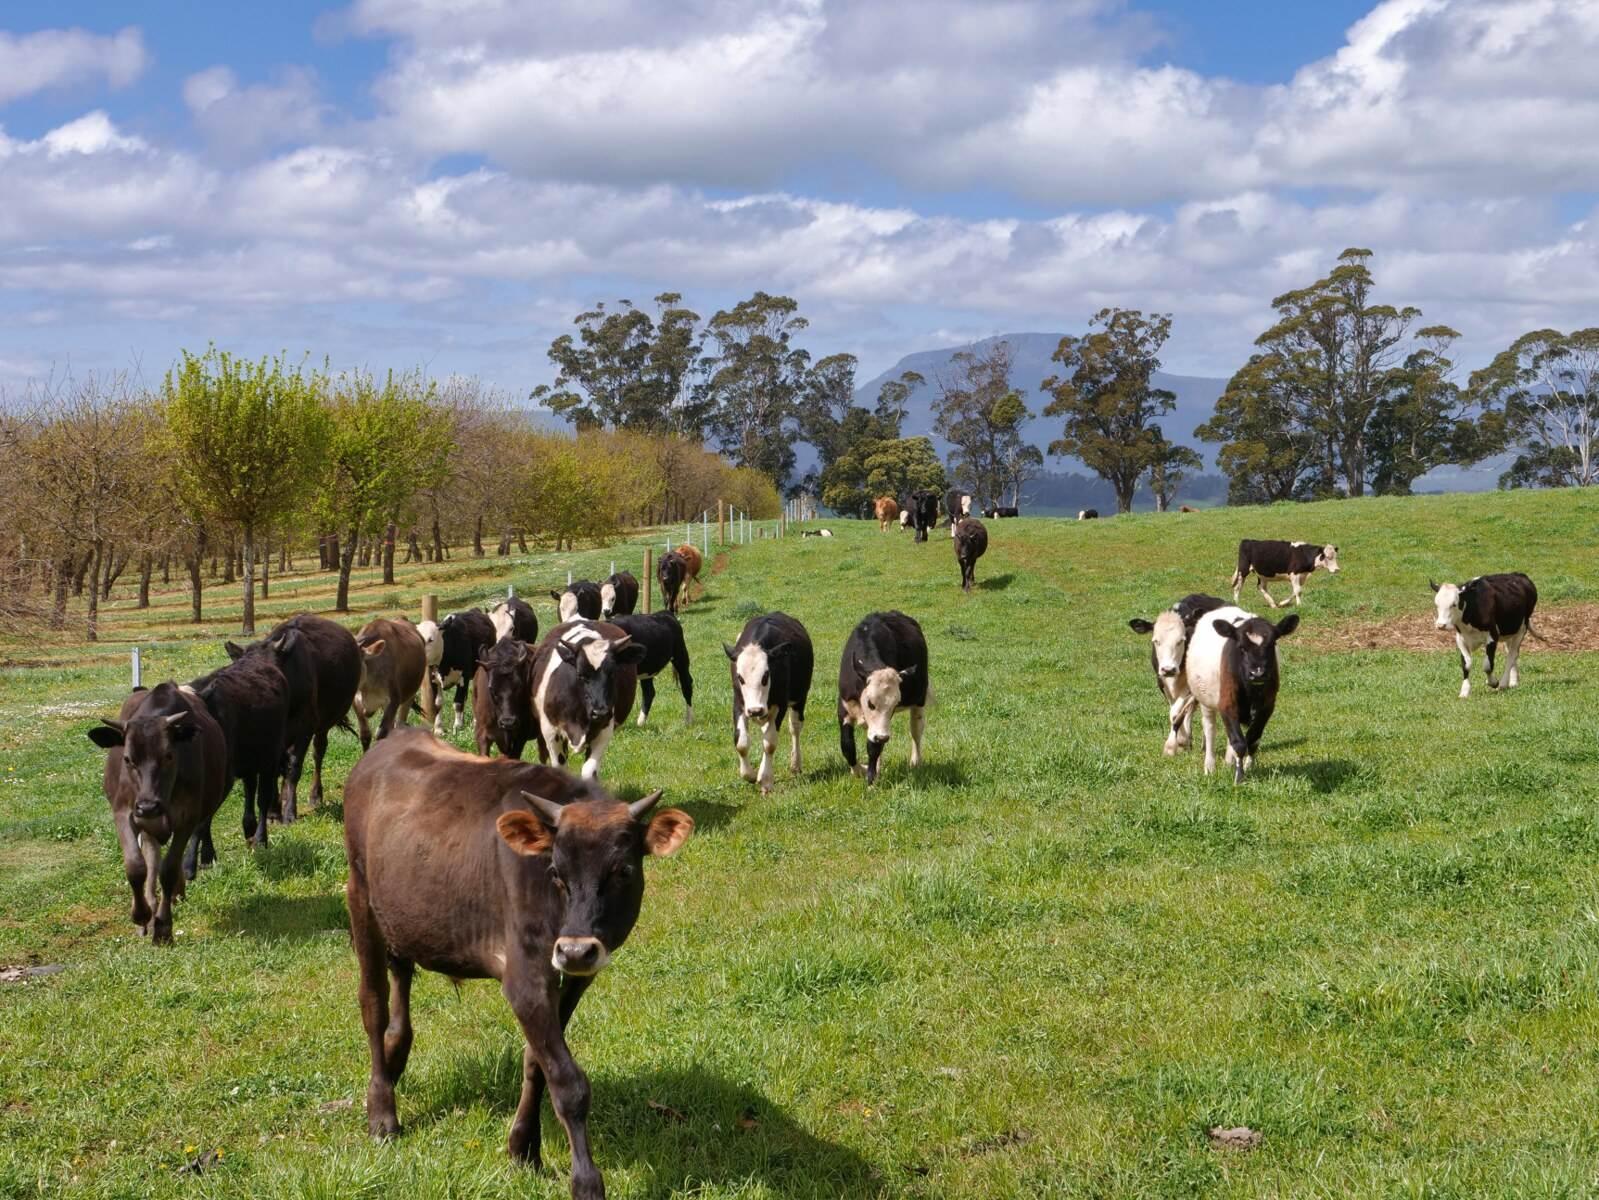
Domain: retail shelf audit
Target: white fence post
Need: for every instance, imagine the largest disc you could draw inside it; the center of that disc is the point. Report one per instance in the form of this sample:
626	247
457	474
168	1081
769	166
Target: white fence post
138	670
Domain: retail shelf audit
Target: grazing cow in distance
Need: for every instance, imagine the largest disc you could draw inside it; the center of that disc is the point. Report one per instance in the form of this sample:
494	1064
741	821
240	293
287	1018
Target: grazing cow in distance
492	869
924	512
513	617
883	669
466	637
772	663
671	571
581	599
1232	673
1294	561
249	700
662	638
971	541
165	775
1170	632
618	595
392	662
957	504
1487	610
585	675
1088	514
887	511
502	698
995	511
816	533
1187	508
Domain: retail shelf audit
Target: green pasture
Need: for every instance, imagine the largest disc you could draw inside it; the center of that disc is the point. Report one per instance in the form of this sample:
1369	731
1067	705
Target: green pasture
1043	965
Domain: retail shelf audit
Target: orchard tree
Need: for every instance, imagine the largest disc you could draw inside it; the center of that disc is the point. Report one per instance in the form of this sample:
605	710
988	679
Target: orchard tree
1545	387
981	415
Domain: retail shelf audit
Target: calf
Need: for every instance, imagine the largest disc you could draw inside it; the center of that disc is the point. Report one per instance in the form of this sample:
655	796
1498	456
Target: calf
887	511
249	700
924	512
165	776
671	571
904	519
957	504
971	540
1187	508
584	677
772	663
1488	609
1294	561
816	533
392	662
996	511
1170	632
1088	514
1232	671
618	595
322	664
692	564
662	639
883	669
502	698
514	618
466	637
580	599
492	869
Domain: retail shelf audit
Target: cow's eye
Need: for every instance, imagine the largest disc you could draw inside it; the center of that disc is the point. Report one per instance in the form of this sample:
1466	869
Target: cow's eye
560	884
765	677
871	706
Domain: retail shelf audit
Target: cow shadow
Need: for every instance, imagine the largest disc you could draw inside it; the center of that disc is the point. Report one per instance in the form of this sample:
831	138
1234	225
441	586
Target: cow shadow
298	918
947	773
996	583
1324	775
708	814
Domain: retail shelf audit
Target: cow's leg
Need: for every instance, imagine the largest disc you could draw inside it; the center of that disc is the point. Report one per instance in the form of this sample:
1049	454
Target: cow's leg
1238	584
460	706
796	722
1465	664
570	1095
1296	584
1512	676
319	748
918	727
171	887
1177	735
1207	722
372	956
438	703
390	711
846	745
362	727
261	784
1257	728
525	1129
397	1033
741	743
133	866
484	741
1237	744
1493	645
1260	582
247	794
597	744
646	690
763	777
293	767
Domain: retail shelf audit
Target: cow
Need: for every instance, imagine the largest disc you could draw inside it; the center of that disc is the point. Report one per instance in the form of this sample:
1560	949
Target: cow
466	637
249	700
664	646
585	674
1232	673
513	618
818	533
957	504
1170	632
671	571
771	665
971	541
502	698
995	511
692	564
618	595
904	519
392	662
924	512
322	664
492	869
886	508
1088	514
1294	561
580	599
165	775
1487	610
1186	508
883	670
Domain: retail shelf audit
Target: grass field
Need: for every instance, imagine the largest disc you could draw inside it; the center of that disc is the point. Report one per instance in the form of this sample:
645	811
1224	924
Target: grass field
1042	965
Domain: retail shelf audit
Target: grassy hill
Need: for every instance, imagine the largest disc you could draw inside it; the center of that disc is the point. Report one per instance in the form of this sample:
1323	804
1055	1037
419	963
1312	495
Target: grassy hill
1043	965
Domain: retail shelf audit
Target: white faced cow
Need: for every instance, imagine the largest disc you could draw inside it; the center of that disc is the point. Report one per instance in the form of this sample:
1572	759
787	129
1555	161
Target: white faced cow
585	675
1170	633
1293	561
581	599
1232	672
513	618
884	669
771	664
1487	610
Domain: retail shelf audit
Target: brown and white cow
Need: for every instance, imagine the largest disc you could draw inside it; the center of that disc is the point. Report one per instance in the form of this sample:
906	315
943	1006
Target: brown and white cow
883	669
693	563
887	511
1170	633
392	662
1293	561
1232	673
492	869
1487	610
585	676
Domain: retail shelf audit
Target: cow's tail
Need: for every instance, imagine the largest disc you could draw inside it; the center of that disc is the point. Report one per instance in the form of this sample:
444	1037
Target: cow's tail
1535	634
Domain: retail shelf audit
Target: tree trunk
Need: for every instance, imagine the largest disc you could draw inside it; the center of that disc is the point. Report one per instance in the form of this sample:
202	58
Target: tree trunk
284	562
266	567
195	561
118	564
342	603
228	574
413	548
438	541
477	537
58	608
521	540
247	554
146	565
388	553
81	574
504	547
1124	497
93	630
166	568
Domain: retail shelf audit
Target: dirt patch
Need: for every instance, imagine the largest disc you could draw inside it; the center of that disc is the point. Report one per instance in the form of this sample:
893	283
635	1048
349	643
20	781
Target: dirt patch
1567	627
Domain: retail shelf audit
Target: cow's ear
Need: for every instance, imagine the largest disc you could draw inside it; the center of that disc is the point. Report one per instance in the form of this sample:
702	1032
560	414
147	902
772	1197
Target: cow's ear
555	595
1432	587
1225	628
1140	625
1287	625
860	668
285	641
525	833
181	727
732	654
374	648
667	831
781	650
107	734
906	674
567	652
235	651
630	653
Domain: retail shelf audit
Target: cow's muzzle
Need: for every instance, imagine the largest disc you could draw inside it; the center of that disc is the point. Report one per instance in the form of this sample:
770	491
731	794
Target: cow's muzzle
598	716
1443	624
1168	672
758	715
579	955
507	722
873	740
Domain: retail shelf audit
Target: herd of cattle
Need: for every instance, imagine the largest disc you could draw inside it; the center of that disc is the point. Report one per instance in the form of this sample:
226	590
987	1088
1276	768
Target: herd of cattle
488	867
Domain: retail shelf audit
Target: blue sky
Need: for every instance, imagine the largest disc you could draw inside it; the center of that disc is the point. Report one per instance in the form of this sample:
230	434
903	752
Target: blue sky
394	182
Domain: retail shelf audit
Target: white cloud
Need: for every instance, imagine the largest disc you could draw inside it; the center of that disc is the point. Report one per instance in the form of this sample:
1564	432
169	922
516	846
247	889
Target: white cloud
54	58
242	121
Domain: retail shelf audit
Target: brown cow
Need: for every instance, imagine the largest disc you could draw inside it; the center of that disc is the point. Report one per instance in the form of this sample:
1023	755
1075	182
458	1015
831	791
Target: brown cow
502	698
392	662
692	562
492	869
887	509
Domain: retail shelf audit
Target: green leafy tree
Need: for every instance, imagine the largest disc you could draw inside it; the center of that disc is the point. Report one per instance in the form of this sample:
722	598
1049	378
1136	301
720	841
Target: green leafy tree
1107	398
1171	465
827	406
756	375
1269	452
248	439
1545	391
981	415
893	400
1426	419
895	468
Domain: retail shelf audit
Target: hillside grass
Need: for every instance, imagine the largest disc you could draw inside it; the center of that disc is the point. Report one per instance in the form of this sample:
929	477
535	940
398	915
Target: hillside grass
1042	965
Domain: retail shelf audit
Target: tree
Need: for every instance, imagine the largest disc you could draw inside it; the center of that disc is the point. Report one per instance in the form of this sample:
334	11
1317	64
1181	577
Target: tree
896	468
1169	467
1426	419
893	400
981	415
1106	395
1269	451
756	374
1545	388
247	438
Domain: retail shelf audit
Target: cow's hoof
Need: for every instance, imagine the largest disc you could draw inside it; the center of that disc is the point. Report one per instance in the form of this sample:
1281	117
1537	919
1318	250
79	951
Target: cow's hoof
766	788
858	771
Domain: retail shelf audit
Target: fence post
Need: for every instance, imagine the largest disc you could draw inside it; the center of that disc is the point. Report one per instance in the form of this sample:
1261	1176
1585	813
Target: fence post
430	612
138	670
721	522
649	575
705	533
569	579
510	591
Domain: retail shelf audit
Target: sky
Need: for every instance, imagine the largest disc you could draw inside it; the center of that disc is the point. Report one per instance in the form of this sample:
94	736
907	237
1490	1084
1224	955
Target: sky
446	183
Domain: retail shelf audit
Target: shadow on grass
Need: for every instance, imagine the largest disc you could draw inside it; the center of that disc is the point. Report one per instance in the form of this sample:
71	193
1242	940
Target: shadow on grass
297	917
996	583
280	860
707	814
1324	775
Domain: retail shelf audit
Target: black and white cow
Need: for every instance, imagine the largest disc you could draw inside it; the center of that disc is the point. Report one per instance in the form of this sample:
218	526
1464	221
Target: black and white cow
1088	514
772	663
957	504
618	595
1293	561
994	511
580	599
1170	633
1232	673
904	519
883	669
585	674
923	507
1487	610
816	533
662	638
971	542
514	618
464	638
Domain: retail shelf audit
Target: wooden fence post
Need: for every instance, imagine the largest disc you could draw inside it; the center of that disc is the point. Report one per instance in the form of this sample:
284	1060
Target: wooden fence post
649	574
430	612
721	522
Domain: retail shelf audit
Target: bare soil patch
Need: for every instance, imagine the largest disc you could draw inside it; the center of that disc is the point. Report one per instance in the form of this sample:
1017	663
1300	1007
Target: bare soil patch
1567	627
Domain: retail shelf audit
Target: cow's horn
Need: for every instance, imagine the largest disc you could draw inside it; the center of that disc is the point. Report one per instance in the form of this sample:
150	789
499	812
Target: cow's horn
639	808
548	809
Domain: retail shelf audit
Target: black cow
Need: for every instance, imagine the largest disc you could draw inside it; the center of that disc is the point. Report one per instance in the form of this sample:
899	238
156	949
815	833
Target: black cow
1170	633
923	506
883	669
165	777
466	636
957	504
585	674
1294	561
514	618
249	700
618	595
1488	609
971	541
1088	514
772	663
580	599
995	511
671	571
662	639
322	664
502	698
